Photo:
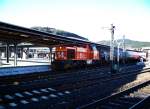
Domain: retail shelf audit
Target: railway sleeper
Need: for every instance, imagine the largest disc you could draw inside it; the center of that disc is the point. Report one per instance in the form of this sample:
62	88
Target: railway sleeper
42	101
124	102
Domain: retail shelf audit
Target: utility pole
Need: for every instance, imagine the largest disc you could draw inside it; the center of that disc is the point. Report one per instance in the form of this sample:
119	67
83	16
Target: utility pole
112	48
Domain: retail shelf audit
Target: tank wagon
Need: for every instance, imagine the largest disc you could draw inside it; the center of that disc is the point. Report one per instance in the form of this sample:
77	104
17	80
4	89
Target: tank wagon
134	56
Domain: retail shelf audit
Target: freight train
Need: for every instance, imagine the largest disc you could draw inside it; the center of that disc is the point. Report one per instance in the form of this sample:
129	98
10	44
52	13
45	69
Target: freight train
73	56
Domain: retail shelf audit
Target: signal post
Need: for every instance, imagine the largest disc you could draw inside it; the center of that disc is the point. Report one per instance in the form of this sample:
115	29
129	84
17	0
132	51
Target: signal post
112	69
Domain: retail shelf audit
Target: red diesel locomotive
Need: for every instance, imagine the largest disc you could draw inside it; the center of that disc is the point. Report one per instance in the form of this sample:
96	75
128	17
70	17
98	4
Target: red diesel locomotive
71	56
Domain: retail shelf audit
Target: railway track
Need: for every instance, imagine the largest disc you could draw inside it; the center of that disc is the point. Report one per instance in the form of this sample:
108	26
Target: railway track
45	75
42	98
35	81
40	93
137	97
49	75
92	91
75	81
89	80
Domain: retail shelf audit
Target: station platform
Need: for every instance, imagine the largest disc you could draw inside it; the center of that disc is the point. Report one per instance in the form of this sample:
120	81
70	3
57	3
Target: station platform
25	62
25	66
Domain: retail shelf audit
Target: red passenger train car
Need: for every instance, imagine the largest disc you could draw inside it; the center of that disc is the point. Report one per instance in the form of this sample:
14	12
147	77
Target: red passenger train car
70	56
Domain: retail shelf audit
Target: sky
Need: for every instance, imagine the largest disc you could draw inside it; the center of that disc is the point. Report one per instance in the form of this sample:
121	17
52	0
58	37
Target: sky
87	18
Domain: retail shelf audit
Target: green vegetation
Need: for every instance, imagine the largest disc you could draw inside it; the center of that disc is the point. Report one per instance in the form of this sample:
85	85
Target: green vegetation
129	43
58	32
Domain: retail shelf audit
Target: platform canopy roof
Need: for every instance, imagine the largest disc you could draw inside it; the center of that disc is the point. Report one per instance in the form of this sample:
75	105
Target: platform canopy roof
16	34
12	33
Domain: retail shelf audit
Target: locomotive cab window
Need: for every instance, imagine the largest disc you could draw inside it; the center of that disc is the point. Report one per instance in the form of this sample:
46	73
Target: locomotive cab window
93	47
70	54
